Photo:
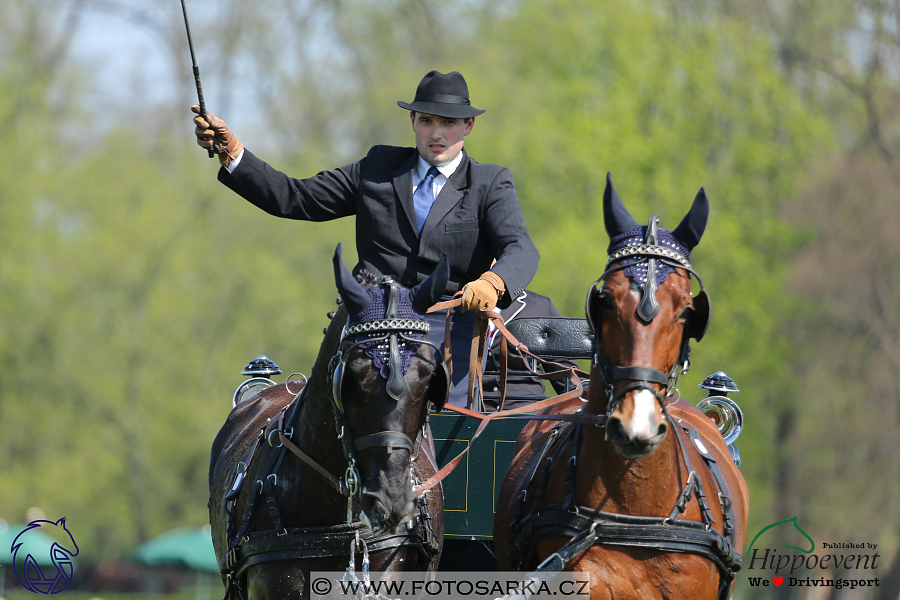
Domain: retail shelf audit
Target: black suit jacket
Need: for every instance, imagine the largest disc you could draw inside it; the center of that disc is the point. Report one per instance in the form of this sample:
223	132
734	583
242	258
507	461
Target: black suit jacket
475	218
522	387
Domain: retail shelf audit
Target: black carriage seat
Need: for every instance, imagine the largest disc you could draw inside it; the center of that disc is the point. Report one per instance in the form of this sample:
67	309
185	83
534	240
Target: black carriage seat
553	338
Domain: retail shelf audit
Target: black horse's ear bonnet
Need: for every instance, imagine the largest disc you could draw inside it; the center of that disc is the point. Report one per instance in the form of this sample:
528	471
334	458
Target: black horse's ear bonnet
648	254
354	296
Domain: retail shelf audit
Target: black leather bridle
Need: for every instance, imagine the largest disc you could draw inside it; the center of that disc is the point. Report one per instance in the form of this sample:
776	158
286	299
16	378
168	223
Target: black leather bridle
642	377
391	329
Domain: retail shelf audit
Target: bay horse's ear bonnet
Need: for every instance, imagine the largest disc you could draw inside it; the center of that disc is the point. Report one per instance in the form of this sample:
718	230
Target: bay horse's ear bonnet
648	254
388	312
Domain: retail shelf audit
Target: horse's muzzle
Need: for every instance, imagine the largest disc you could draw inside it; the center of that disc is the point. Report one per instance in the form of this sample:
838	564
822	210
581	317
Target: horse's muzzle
630	445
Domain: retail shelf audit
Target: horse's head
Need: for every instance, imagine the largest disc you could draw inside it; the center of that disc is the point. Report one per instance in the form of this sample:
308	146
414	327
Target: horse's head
385	376
641	319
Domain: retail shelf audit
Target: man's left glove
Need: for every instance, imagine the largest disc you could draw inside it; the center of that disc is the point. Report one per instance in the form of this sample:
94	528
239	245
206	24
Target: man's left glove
212	129
483	293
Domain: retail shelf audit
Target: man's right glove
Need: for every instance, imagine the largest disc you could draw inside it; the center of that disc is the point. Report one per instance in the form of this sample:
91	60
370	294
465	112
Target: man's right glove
212	129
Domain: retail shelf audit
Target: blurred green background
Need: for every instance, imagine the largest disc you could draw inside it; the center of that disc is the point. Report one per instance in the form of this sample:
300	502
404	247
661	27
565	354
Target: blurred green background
135	287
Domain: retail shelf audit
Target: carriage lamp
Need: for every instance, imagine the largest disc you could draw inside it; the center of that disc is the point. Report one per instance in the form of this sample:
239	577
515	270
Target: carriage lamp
259	369
723	411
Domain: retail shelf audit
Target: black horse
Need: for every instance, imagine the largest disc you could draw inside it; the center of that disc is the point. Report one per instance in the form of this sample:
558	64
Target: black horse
300	473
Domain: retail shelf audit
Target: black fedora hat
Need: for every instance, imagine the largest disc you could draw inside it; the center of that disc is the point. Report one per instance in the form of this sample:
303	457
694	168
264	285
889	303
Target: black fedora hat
442	95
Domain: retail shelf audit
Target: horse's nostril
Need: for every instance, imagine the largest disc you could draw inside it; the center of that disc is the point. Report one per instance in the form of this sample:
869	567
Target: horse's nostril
374	509
662	429
615	431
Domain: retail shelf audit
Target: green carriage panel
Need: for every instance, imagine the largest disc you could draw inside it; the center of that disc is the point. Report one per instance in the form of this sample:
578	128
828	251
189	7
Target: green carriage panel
471	490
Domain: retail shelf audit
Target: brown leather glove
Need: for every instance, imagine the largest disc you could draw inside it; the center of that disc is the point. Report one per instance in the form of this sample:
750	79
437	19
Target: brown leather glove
212	129
483	293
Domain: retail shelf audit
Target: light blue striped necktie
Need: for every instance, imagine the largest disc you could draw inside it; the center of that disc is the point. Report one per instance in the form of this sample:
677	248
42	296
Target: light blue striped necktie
424	197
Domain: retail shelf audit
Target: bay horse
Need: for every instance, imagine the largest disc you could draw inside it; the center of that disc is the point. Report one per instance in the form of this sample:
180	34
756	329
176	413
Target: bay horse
637	487
308	477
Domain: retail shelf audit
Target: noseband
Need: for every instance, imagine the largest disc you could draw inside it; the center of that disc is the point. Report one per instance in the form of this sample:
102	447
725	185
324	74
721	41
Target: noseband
641	377
388	330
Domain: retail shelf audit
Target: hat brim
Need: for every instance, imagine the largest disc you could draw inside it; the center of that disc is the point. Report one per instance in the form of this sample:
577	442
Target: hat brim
441	109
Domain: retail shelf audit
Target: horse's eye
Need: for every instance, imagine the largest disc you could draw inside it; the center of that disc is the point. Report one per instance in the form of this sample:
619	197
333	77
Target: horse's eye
606	301
686	313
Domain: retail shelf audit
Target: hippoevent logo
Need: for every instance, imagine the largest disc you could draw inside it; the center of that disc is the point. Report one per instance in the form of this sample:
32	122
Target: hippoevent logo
804	567
43	565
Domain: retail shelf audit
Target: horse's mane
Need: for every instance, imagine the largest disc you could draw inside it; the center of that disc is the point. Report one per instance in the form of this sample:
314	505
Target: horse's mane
318	379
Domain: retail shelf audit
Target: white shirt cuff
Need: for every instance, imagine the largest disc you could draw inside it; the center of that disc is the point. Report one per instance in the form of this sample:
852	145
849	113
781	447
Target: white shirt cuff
230	168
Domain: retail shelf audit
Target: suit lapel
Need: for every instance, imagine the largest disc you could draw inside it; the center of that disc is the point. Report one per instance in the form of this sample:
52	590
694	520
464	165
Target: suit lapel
403	183
452	192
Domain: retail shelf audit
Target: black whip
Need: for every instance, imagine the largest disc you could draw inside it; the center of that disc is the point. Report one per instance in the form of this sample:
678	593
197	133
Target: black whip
211	149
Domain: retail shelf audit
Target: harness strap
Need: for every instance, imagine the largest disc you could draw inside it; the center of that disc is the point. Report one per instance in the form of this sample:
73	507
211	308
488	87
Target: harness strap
554	436
336	482
297	543
643	532
386	439
705	512
569	502
272	503
548	469
640	374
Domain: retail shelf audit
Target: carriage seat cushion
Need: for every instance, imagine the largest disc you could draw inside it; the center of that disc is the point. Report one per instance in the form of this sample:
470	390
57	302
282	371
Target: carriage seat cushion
553	337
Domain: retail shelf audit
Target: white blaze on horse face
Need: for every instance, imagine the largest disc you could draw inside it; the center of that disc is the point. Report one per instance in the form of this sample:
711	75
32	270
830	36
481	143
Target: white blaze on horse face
643	418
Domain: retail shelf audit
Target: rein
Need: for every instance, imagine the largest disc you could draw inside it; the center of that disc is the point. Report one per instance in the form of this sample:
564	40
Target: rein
478	342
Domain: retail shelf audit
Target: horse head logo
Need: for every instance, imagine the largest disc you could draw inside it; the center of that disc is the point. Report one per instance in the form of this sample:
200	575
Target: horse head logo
30	550
784	531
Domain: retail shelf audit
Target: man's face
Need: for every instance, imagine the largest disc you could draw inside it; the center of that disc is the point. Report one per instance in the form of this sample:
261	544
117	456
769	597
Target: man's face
440	139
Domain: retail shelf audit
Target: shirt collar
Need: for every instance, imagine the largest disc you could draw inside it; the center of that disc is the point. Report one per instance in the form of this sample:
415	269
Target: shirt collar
446	170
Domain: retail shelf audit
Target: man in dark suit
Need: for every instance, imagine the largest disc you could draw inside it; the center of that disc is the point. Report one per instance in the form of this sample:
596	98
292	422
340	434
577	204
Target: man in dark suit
522	386
412	205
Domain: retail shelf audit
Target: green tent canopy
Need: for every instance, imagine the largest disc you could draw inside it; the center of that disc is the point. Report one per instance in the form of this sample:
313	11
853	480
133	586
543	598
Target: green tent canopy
184	547
39	544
